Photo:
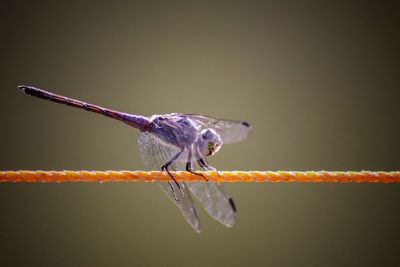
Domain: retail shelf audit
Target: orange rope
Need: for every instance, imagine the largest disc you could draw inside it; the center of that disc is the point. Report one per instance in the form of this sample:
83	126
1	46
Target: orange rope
223	176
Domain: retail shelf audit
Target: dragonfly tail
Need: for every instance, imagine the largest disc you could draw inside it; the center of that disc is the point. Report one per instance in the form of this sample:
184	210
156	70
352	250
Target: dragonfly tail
139	122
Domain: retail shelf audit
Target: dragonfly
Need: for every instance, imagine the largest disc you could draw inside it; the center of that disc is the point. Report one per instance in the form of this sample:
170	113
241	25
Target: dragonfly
176	141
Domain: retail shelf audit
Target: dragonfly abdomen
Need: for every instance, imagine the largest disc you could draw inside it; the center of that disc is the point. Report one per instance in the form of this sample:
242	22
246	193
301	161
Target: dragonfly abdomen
139	122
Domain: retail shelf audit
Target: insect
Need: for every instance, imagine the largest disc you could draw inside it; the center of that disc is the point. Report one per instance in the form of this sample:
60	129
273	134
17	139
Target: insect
176	141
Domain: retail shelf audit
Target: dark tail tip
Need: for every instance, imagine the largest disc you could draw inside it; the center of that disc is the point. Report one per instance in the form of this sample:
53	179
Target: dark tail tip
27	89
22	88
30	90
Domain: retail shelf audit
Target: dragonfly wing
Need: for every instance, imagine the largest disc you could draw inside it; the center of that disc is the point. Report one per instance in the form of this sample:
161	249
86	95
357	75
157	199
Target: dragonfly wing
183	200
154	154
215	200
230	131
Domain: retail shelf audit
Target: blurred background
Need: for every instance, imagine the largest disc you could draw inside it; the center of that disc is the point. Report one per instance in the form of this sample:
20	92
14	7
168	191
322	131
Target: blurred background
318	81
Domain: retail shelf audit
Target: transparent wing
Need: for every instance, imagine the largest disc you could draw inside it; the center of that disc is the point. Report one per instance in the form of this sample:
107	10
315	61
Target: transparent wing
155	153
183	200
230	131
215	200
212	195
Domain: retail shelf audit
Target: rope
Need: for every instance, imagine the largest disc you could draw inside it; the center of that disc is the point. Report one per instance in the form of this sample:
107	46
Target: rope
223	176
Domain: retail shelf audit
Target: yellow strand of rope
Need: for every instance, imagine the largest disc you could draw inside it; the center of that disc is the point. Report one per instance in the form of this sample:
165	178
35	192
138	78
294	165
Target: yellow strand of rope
223	176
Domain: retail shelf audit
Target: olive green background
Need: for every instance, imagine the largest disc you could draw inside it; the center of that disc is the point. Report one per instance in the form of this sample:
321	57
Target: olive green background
318	81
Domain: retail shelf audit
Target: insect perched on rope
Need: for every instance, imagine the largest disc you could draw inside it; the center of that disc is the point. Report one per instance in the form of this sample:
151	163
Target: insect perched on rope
179	142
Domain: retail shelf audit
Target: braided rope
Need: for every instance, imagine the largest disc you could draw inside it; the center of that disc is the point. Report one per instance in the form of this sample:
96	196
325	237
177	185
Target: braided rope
223	176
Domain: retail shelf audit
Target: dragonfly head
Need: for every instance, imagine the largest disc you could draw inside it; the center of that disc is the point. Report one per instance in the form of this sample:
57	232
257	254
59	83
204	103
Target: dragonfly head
209	142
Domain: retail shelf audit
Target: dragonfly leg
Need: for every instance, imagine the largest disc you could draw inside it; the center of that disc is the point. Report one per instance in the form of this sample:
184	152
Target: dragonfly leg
189	165
203	163
165	168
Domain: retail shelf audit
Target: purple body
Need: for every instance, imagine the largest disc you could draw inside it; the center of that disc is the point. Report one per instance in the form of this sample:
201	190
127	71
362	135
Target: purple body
177	141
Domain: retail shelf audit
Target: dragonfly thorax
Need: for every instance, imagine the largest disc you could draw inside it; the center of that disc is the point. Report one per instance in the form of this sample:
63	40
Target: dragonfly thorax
209	142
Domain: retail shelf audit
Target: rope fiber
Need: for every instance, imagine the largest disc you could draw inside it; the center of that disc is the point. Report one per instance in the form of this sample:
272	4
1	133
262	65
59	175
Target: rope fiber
223	176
